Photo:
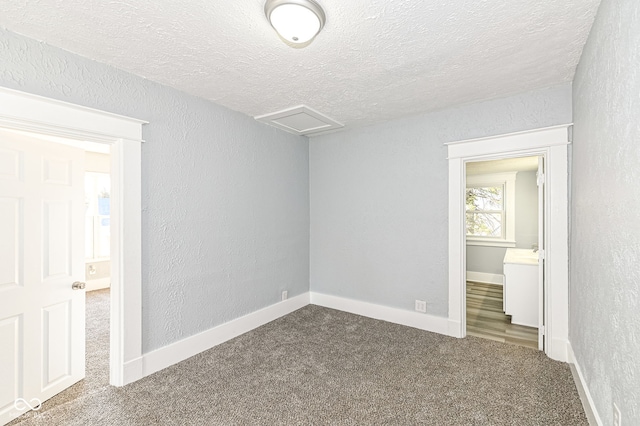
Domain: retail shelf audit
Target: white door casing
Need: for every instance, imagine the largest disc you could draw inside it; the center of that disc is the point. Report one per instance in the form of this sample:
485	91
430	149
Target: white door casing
42	320
551	143
541	219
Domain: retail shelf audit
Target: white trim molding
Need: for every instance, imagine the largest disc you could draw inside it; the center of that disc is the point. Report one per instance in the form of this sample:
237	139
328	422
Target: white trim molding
483	277
44	116
490	243
583	390
179	351
551	143
171	354
98	284
397	316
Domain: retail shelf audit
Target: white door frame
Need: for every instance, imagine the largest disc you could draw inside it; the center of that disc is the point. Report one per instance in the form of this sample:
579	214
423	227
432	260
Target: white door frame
36	114
550	142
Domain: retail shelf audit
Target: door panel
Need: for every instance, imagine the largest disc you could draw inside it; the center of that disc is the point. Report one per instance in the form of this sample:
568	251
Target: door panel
56	171
56	346
10	361
42	229
11	162
11	247
56	232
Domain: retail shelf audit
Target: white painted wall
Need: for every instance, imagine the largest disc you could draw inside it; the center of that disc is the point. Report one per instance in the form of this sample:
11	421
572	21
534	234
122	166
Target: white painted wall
605	231
379	198
97	162
489	259
484	259
225	219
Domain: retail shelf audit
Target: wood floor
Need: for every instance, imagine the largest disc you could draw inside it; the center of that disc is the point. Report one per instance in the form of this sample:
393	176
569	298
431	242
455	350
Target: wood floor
486	319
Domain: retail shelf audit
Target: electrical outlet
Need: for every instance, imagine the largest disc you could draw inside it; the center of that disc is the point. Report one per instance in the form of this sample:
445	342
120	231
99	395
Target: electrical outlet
421	306
285	295
617	417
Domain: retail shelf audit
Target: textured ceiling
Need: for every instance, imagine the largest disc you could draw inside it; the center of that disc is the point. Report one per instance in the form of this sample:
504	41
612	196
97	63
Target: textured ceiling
373	61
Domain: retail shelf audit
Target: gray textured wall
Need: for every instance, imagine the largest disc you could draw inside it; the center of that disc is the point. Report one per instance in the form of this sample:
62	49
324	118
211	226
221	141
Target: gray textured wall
379	198
489	259
605	232
485	259
225	218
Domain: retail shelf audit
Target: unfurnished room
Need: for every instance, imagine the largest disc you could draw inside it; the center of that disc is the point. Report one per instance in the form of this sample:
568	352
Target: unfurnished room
320	212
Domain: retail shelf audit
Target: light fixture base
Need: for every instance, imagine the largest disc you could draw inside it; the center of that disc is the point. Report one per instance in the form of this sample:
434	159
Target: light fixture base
285	21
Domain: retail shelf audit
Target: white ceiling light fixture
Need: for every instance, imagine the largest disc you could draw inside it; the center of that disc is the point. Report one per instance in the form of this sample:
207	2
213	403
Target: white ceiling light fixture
297	22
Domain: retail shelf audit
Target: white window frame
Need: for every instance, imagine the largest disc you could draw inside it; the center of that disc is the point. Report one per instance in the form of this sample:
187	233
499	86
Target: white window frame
508	182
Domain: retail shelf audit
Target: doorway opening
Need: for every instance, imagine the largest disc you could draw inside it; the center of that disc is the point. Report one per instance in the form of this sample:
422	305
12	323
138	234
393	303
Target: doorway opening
551	144
97	237
97	179
46	117
97	229
503	220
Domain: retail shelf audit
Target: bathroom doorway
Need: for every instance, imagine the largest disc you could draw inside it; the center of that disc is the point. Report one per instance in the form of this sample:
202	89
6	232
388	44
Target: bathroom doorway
552	144
504	295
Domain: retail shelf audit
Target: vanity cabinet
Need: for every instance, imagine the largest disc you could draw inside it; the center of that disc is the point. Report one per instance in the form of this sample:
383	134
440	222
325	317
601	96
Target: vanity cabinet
521	286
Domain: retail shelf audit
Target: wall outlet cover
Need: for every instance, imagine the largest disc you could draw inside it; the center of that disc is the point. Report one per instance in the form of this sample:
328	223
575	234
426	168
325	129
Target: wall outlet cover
285	295
421	306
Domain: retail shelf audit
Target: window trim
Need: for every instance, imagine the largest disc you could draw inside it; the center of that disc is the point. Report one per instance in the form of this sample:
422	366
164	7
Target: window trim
508	181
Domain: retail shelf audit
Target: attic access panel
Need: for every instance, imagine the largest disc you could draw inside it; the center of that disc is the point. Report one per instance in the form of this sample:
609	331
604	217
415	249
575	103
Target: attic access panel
300	120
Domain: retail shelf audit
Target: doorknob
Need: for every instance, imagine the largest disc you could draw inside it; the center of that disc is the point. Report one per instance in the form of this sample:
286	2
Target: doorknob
78	285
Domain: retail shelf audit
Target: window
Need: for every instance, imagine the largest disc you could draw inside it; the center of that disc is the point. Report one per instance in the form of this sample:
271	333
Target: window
97	217
485	211
490	209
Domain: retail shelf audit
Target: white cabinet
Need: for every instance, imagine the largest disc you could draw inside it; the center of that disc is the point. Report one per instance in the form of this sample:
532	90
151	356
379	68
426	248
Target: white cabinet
521	286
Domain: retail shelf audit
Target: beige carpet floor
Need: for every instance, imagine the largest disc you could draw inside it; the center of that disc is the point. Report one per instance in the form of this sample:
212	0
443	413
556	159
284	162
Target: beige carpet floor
322	366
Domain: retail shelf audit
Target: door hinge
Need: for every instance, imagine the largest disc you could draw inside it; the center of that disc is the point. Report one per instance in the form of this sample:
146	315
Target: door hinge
541	254
542	330
540	180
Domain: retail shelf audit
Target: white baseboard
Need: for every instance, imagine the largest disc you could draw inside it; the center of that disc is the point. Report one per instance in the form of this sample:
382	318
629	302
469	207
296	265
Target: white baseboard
132	371
483	277
455	329
98	284
193	345
583	390
166	356
385	313
558	350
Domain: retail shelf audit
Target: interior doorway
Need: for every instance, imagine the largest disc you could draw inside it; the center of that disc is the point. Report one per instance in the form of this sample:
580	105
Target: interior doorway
503	213
551	144
44	116
55	198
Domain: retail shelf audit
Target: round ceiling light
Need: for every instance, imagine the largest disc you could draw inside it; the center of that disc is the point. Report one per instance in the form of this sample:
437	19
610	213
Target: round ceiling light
296	21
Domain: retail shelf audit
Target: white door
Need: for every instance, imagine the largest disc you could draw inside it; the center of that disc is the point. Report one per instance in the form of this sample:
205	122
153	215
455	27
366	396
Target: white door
541	253
42	320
